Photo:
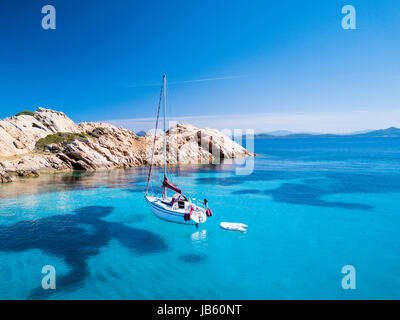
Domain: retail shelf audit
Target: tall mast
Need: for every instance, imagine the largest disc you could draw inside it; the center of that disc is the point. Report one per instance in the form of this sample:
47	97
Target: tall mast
165	131
155	138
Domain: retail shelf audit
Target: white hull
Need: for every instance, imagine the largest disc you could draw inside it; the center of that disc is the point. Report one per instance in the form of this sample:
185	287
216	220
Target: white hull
166	212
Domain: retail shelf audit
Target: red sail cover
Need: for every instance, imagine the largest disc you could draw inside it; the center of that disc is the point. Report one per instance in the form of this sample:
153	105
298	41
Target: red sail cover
169	185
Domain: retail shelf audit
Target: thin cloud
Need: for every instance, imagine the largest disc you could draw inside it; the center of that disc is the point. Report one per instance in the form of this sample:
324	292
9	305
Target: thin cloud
205	79
323	122
185	81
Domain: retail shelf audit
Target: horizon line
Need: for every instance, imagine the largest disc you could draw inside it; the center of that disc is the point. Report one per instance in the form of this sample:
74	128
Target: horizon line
299	122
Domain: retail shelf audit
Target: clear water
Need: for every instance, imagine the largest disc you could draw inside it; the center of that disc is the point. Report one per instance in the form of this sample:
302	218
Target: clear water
312	206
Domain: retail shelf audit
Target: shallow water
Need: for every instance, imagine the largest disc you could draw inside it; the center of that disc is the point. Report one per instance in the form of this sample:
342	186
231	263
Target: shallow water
312	206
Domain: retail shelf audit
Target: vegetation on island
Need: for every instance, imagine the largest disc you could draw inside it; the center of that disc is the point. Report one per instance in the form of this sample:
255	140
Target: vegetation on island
25	113
64	138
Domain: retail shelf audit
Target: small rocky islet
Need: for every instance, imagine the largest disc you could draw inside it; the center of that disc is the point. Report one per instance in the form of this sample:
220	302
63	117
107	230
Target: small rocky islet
47	141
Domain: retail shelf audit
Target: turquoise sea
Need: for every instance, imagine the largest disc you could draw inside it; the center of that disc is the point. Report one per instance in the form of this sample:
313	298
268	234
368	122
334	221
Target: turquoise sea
312	207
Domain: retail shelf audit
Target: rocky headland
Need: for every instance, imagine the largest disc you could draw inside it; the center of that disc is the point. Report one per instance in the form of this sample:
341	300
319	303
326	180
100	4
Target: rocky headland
47	141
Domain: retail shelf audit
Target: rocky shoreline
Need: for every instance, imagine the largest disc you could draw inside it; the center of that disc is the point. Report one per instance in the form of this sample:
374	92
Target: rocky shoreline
47	141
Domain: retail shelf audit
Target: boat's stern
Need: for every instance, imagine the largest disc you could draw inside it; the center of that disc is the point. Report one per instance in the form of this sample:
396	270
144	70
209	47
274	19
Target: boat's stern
198	215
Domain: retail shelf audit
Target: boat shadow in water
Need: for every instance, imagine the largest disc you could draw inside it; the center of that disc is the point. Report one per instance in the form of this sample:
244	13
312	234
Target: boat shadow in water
75	238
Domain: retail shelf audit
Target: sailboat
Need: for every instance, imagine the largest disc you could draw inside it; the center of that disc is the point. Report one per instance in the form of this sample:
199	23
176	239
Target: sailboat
177	208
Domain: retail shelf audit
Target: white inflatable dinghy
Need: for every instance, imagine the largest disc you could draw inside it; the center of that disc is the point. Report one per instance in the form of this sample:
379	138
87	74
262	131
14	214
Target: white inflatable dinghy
232	226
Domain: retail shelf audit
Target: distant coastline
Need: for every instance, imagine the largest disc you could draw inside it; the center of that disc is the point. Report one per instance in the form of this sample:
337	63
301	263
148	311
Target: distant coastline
391	132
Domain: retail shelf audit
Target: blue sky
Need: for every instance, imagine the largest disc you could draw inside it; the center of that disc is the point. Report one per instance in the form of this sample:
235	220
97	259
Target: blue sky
285	64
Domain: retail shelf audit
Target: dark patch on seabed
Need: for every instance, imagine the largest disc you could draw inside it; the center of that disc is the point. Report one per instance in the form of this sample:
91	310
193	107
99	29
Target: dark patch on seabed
256	175
246	191
313	189
63	236
135	218
193	258
345	181
306	195
315	185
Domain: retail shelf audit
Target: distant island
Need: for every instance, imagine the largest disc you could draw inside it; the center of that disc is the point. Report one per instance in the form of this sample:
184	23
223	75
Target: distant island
141	133
391	132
